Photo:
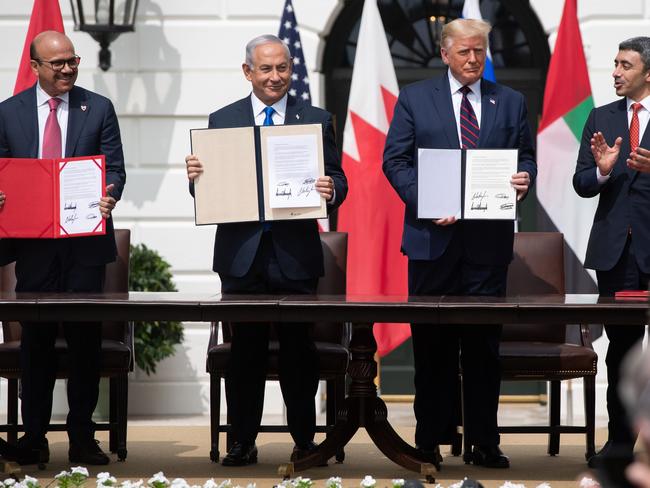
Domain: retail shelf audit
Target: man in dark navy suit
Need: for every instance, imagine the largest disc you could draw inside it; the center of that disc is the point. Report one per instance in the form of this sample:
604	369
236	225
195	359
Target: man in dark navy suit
450	257
55	118
277	257
619	243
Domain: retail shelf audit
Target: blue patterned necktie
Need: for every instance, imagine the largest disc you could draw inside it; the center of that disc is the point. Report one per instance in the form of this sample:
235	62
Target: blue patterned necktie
469	130
269	111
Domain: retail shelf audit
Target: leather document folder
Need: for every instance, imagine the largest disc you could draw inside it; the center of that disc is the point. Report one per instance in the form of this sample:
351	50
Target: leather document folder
257	174
52	198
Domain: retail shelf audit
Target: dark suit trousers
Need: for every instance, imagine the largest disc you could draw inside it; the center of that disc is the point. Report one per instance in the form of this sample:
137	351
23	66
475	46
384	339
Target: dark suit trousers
625	275
246	374
55	269
438	349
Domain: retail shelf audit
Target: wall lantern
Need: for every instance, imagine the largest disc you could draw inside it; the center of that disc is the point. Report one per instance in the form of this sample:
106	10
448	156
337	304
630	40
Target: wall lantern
104	20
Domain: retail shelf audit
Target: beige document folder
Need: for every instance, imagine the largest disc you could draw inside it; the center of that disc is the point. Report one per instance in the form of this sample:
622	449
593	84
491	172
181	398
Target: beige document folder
234	181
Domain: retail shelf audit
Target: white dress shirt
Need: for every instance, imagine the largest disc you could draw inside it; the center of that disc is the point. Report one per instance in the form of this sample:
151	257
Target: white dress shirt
43	110
279	107
474	98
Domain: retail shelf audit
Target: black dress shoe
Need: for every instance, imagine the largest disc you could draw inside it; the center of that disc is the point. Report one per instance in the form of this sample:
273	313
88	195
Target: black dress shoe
624	452
240	455
301	452
490	457
26	451
87	453
431	455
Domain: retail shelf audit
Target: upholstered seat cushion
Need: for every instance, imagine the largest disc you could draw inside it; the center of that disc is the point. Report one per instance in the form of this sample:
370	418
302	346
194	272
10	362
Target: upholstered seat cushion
333	358
544	359
116	357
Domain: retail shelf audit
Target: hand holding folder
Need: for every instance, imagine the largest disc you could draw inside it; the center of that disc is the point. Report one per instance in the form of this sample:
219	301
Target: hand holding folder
53	198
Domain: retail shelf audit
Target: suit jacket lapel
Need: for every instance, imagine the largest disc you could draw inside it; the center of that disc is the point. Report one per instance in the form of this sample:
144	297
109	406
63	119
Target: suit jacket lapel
441	99
247	117
489	106
293	114
78	111
28	119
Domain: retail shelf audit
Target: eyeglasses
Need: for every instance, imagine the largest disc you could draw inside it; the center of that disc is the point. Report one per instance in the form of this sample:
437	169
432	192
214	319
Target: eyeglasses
58	64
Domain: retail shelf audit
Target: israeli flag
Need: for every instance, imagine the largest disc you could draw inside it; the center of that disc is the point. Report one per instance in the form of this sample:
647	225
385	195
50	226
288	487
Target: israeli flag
471	10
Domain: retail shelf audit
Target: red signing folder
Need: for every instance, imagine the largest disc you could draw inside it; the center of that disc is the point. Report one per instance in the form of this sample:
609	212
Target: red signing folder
631	294
52	198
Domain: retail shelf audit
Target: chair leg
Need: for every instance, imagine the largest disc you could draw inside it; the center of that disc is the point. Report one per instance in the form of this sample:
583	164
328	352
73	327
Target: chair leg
554	418
229	436
112	415
12	409
335	399
590	414
121	413
215	412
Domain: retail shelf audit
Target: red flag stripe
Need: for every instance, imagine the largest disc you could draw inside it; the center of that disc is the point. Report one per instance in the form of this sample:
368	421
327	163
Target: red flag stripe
46	15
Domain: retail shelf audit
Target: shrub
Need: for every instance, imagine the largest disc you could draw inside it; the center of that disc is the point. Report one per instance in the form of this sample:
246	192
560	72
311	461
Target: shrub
154	341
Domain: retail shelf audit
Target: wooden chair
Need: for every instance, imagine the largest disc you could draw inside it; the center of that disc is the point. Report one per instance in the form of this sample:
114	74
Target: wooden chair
541	352
331	343
117	355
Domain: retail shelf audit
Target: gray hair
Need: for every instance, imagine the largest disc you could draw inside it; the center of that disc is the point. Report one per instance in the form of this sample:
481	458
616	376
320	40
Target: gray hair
263	39
640	45
464	28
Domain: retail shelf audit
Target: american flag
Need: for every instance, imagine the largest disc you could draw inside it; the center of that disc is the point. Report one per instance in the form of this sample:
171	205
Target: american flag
290	35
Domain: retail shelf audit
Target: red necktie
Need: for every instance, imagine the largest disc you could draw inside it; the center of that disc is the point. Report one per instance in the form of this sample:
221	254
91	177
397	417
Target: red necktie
469	130
52	134
634	127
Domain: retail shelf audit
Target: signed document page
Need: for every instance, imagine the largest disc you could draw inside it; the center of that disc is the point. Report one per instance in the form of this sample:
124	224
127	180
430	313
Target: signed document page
227	190
52	198
292	161
488	192
81	184
439	183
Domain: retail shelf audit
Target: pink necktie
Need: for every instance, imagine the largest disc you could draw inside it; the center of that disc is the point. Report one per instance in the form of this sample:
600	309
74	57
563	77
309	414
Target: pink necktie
52	134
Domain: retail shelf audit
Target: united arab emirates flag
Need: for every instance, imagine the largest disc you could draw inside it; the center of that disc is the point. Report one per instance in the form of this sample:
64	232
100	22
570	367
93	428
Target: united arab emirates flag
567	103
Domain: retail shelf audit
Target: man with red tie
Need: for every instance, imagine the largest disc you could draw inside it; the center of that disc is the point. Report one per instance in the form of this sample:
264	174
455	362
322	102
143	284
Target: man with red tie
55	118
619	243
448	257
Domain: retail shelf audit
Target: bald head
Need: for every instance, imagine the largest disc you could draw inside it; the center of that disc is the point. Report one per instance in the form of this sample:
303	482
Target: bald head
54	62
49	38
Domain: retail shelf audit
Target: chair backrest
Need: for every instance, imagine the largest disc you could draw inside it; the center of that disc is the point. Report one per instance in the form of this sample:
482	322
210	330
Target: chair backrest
537	269
333	282
117	281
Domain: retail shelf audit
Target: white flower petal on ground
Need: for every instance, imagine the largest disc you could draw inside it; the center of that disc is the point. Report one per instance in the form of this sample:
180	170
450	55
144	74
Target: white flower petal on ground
79	470
334	482
368	482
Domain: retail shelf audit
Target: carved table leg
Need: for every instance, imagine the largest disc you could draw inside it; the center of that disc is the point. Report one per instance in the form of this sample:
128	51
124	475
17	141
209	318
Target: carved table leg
363	408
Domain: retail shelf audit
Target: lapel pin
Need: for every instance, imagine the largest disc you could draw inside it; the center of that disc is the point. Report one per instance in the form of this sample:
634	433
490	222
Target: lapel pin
83	108
493	101
297	116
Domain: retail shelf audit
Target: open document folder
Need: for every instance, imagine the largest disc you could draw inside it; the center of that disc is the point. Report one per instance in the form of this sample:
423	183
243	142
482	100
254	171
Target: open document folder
258	173
467	183
52	198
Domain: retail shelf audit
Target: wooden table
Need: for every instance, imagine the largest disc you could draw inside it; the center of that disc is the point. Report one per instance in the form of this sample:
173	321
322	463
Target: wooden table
362	408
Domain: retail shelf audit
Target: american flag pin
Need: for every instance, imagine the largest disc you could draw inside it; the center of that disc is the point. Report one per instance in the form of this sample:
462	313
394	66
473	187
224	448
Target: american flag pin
493	101
83	108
